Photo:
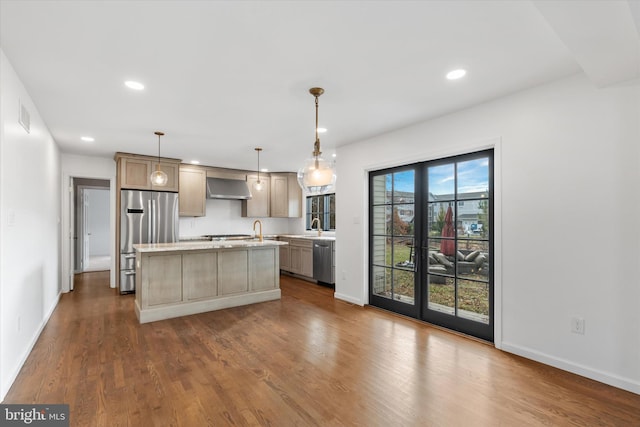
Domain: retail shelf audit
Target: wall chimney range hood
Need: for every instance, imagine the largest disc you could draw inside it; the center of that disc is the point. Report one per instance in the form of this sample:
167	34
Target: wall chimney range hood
221	188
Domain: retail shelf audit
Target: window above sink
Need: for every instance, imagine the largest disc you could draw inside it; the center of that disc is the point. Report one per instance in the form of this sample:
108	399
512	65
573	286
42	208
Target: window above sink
322	207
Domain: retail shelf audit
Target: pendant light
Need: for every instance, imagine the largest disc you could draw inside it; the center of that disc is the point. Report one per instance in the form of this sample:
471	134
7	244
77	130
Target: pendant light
158	177
258	185
317	176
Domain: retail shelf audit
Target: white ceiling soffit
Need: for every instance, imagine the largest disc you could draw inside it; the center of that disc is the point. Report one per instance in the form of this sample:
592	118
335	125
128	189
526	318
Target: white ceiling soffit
602	36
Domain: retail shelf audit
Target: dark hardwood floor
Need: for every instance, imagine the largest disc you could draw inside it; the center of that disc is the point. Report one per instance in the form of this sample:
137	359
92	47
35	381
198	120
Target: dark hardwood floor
307	359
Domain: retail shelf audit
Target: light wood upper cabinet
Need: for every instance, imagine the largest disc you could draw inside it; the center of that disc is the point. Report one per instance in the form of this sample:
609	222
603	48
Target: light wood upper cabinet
134	172
259	204
193	187
286	196
172	171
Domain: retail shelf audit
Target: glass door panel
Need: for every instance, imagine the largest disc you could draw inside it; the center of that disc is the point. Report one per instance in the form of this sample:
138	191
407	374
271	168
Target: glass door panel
472	178
431	240
456	244
441	181
442	294
392	241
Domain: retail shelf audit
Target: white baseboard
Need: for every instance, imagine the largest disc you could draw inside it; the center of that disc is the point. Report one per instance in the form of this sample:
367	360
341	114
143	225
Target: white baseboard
348	298
12	377
575	368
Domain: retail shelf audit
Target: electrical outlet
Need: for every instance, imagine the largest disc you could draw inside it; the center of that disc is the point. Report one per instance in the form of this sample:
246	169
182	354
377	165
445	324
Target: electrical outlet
577	325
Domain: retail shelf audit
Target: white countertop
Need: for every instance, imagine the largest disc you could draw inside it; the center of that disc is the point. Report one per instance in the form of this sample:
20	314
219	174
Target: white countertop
307	236
198	245
189	239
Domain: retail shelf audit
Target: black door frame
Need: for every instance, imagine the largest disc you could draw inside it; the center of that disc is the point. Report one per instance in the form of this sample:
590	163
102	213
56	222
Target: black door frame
411	310
419	309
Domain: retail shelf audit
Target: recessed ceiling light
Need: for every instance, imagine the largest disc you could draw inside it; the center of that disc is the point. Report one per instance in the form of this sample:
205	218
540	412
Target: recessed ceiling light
194	162
334	155
87	139
322	130
134	85
456	74
264	170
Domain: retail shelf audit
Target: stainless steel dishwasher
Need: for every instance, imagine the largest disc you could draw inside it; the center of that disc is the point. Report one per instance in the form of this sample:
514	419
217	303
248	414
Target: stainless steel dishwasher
322	261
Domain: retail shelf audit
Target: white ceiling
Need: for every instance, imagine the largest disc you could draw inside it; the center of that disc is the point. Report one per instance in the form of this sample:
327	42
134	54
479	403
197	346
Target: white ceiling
223	77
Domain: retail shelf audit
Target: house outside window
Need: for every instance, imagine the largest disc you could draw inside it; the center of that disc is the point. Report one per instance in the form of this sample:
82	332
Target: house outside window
322	207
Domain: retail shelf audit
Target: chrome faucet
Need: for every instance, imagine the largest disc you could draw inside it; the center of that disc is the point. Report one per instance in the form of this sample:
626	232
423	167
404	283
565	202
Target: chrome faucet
319	228
257	221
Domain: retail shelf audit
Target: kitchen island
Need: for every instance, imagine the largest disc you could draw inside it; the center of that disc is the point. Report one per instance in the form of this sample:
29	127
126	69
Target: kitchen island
183	278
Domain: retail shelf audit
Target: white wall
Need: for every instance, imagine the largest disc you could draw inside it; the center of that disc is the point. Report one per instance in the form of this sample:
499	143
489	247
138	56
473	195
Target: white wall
29	226
98	219
224	217
569	175
74	166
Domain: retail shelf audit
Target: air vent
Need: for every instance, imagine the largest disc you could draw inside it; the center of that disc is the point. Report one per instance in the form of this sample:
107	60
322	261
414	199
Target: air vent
24	118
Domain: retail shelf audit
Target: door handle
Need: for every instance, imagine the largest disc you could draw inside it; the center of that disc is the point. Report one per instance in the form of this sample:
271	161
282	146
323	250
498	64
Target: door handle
149	223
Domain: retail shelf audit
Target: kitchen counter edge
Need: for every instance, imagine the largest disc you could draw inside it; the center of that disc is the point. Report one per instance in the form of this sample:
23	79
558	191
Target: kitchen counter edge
199	245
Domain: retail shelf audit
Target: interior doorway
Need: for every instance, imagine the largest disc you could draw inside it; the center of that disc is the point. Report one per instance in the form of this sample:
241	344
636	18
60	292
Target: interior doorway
91	225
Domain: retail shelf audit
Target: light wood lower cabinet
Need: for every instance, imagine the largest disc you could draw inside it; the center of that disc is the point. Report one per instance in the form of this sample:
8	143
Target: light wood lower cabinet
189	281
300	257
306	262
285	256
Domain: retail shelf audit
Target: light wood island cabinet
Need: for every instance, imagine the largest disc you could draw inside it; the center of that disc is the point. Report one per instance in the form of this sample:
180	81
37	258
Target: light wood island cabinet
178	279
200	275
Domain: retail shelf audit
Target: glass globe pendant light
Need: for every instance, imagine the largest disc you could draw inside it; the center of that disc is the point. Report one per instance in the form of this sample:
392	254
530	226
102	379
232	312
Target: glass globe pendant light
317	176
158	177
258	185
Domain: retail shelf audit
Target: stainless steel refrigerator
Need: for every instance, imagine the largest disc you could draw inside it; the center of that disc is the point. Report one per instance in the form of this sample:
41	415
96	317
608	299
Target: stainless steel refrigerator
145	217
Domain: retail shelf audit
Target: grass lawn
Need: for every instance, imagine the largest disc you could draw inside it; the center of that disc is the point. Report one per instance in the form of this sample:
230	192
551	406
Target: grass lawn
472	296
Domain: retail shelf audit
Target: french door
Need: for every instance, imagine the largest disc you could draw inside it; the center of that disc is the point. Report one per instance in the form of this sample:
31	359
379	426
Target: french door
431	242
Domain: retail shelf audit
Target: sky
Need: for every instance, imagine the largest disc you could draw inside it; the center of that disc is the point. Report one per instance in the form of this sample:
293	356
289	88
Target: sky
473	175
